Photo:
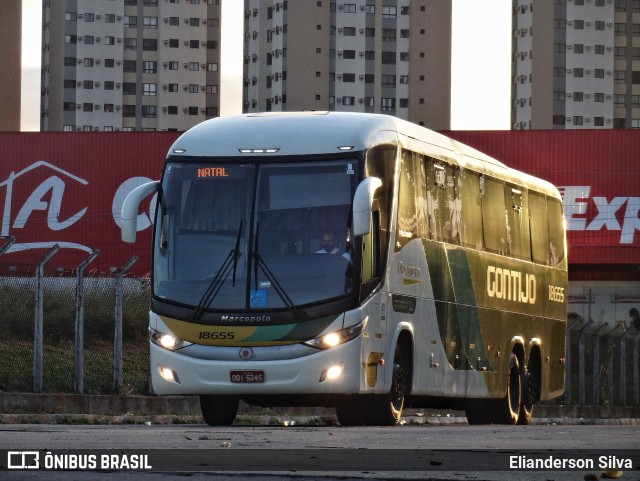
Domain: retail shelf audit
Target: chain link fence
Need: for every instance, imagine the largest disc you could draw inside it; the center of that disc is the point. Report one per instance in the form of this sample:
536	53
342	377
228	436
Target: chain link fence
28	364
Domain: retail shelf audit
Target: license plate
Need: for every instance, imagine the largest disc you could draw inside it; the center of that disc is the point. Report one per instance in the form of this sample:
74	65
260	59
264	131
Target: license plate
246	376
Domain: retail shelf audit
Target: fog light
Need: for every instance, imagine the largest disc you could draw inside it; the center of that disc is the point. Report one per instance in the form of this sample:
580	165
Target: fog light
332	373
169	375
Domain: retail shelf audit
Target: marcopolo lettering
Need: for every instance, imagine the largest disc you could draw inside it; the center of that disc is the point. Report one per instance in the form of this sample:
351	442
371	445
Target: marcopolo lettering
261	318
511	285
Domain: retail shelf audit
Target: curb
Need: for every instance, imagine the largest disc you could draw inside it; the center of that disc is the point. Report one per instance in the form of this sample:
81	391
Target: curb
31	408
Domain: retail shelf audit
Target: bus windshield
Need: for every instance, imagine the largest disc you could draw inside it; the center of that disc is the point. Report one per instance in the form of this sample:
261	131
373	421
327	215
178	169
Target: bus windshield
252	236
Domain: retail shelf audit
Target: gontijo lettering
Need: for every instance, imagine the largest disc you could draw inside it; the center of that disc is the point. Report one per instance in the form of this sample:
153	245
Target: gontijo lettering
511	285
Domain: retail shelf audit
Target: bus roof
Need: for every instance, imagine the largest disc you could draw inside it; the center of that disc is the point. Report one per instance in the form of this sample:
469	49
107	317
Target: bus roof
315	132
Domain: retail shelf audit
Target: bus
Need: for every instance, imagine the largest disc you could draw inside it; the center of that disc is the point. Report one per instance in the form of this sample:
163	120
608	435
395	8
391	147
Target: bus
355	261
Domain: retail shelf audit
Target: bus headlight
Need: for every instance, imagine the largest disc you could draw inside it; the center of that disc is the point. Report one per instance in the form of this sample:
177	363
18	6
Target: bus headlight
167	341
333	339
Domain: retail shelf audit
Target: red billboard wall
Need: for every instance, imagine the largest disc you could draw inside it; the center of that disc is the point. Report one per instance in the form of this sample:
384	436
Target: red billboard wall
67	189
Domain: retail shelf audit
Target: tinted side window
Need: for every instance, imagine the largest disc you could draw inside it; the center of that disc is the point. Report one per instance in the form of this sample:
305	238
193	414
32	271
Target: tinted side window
494	215
517	222
539	227
471	228
556	231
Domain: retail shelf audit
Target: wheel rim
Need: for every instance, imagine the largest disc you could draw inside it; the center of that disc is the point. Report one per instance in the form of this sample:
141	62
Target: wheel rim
398	387
514	391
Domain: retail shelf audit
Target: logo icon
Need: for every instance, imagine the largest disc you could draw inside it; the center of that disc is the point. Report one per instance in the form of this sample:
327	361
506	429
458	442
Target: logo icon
23	460
246	353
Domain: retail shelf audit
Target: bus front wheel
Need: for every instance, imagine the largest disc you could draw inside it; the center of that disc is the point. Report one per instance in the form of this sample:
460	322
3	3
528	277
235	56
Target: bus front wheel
219	410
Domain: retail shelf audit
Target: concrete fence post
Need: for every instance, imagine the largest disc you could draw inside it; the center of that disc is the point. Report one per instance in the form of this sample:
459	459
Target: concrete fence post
38	331
596	365
117	343
78	379
581	365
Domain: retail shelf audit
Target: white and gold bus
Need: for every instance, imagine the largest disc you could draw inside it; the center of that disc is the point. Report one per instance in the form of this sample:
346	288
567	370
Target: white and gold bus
356	261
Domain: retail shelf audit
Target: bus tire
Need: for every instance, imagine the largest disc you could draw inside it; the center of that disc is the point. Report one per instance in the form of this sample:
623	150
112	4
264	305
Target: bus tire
386	410
530	388
509	412
350	414
219	410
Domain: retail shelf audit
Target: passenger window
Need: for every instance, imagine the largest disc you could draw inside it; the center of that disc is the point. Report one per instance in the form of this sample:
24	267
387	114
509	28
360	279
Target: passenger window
517	222
539	227
471	227
494	215
556	231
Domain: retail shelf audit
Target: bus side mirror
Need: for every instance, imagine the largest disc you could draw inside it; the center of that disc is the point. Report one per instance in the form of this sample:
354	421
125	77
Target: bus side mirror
362	203
129	213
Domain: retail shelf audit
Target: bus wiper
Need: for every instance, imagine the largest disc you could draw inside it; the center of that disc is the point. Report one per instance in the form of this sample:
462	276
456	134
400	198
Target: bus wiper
230	262
260	263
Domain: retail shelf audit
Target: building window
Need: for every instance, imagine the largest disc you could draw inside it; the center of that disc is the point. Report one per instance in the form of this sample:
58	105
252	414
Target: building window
349	31
129	88
129	66
150	66
578	24
620	53
174	43
369	102
150	22
598	97
389	34
174	21
193	110
149	44
130	21
388	80
194	66
194	88
89	17
389	12
194	22
109	63
212	67
598	73
370	32
212	89
369	78
559	95
598	121
130	43
87	107
69	106
109	40
599	24
349	54
108	85
212	112
388	58
347	100
578	48
194	44
107	107
89	39
110	18
578	96
349	8
88	62
70	16
619	100
349	77
598	49
388	104
149	111
404	103
149	89
578	72
578	120
172	110
69	61
370	9
69	83
558	120
174	65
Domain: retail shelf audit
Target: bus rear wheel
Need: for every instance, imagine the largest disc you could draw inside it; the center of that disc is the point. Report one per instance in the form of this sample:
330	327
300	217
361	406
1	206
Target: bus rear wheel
219	410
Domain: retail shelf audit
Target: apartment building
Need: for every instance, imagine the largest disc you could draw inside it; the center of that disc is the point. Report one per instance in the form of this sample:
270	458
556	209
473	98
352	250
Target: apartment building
10	73
129	65
576	64
383	56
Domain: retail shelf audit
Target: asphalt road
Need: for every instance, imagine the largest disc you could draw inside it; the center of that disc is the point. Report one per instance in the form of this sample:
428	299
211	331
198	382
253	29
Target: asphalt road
456	452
